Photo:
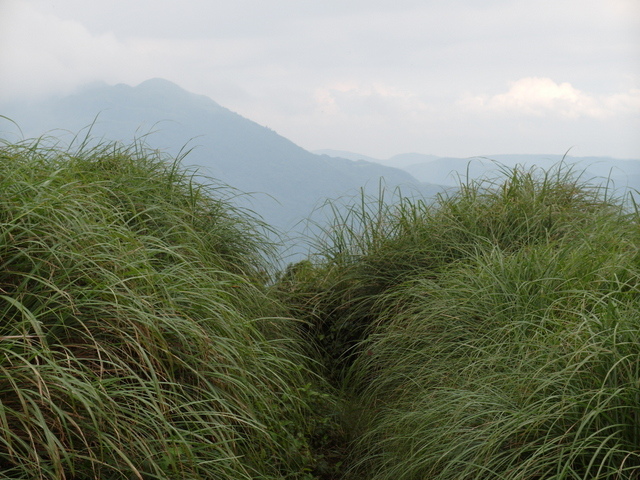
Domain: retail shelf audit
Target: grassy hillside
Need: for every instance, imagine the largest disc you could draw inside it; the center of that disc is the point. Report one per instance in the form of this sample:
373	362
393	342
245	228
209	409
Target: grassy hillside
494	333
145	332
137	337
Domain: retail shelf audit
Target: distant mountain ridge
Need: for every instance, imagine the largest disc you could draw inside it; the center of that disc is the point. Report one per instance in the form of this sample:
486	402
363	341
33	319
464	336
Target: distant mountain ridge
288	181
237	151
448	171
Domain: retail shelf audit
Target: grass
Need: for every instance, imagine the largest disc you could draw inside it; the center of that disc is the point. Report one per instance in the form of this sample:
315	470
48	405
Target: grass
491	334
138	338
146	332
496	372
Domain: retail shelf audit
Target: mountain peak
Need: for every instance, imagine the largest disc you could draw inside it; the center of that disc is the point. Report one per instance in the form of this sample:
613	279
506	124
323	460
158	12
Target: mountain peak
159	84
169	91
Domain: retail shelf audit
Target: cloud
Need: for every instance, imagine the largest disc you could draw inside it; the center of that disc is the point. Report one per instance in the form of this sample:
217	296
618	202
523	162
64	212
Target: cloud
542	97
364	99
376	76
45	54
51	55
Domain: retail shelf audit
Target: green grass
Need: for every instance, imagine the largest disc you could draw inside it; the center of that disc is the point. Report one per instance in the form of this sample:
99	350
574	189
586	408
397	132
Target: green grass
500	371
138	339
491	334
146	332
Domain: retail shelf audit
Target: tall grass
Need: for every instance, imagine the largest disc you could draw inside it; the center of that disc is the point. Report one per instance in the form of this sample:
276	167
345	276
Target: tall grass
512	366
496	331
490	334
137	338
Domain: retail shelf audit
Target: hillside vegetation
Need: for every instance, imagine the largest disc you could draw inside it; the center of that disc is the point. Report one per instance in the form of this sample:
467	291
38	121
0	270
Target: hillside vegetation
490	333
137	337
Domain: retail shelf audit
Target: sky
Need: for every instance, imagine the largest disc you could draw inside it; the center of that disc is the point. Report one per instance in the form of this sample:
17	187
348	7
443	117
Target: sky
376	77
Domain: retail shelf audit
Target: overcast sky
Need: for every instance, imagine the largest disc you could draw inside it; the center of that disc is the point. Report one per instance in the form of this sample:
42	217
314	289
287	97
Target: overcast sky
377	77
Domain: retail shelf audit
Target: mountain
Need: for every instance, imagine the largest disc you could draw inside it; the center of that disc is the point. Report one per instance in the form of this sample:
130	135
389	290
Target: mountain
288	180
625	173
399	161
447	171
348	155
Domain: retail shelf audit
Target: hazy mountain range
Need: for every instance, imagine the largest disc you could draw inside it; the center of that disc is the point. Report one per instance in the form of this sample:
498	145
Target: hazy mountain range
446	171
287	180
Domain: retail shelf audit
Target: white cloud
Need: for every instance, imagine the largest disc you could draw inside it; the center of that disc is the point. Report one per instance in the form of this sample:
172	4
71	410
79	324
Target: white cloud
49	55
367	99
623	103
542	97
44	54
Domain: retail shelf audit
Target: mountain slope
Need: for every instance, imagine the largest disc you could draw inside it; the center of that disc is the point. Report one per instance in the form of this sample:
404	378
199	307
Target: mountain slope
229	147
446	170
